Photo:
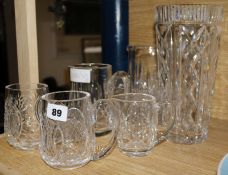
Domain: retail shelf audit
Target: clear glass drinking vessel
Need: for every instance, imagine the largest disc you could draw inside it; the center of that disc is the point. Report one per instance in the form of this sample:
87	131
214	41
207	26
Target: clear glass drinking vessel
67	120
20	125
187	38
137	123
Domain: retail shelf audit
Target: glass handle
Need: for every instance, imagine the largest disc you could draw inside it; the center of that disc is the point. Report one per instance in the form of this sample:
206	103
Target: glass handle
165	120
106	121
118	83
38	110
105	128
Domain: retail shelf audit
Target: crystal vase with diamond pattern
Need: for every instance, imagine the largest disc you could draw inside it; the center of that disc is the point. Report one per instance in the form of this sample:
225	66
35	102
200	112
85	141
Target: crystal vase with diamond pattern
188	37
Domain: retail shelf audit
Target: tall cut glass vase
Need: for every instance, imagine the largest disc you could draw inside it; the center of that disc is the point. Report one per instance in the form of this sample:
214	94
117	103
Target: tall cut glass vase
187	38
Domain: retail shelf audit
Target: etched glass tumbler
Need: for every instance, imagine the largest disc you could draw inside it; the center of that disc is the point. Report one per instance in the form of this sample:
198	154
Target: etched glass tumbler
187	38
67	120
138	120
21	126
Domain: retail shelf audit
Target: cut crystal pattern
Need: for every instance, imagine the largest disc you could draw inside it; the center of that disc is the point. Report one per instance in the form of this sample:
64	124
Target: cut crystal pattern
188	36
21	124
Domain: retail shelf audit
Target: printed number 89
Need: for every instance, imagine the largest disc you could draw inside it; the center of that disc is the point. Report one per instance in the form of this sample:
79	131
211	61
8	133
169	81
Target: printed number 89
57	113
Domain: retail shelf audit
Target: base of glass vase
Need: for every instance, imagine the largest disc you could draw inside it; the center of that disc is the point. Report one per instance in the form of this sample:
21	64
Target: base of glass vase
188	137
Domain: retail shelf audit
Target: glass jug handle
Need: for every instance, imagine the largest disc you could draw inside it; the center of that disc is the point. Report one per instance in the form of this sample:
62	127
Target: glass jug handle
118	83
165	121
106	138
38	110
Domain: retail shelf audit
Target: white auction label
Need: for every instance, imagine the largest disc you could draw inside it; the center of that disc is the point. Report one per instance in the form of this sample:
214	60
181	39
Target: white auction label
80	75
57	112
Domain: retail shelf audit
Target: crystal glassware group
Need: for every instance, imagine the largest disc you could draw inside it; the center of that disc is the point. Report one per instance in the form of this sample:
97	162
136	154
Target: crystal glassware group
165	95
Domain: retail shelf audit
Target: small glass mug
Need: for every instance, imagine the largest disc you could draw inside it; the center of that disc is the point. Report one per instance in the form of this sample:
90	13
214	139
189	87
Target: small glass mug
137	123
97	79
20	125
67	120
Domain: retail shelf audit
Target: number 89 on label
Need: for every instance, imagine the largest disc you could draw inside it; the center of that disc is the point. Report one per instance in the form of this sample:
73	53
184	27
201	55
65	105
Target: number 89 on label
57	112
